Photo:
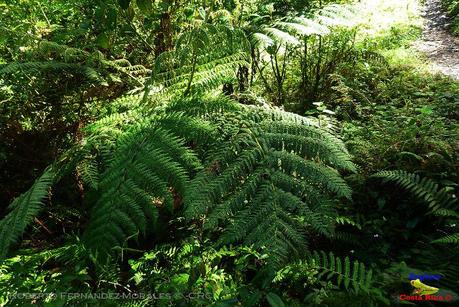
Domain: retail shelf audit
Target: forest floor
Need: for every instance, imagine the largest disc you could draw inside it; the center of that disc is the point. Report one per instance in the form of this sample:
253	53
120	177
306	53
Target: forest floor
440	46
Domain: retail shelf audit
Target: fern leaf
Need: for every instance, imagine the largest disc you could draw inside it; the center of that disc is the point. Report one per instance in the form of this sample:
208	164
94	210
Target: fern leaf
148	162
263	188
332	267
450	239
423	188
23	210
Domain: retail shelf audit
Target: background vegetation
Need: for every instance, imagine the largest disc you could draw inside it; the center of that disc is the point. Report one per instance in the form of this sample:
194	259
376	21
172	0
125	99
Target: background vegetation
223	152
452	7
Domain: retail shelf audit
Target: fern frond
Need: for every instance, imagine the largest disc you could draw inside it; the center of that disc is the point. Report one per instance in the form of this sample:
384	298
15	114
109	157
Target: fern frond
286	31
88	72
423	188
344	220
446	213
336	15
313	26
261	40
282	36
269	189
62	58
148	163
438	200
203	59
347	238
88	170
450	239
333	267
300	28
23	210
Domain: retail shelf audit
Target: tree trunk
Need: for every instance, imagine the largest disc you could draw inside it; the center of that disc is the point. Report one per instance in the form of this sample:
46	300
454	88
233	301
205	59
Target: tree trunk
163	40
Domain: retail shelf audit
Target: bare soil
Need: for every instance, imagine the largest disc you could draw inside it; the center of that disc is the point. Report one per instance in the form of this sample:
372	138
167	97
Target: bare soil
440	46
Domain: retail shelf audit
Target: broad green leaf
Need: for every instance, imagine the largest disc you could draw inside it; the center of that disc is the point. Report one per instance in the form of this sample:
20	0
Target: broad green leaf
274	300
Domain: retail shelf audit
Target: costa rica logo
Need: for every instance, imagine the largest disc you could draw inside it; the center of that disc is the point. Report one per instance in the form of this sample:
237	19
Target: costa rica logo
423	291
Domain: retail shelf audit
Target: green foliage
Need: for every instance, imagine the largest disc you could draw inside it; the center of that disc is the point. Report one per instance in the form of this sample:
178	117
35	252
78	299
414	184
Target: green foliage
145	164
178	169
267	161
45	277
422	188
195	268
333	267
314	46
439	201
405	124
23	210
232	275
326	275
451	239
272	181
90	66
452	7
203	58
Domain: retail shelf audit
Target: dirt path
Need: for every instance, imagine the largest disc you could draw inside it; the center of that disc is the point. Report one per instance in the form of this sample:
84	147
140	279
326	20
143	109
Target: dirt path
437	43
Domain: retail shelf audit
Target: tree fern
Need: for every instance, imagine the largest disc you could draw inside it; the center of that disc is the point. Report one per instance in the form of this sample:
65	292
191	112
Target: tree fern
23	210
271	183
269	179
133	163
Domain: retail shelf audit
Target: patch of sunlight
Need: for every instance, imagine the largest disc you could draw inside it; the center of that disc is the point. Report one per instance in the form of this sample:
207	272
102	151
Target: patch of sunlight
407	57
377	17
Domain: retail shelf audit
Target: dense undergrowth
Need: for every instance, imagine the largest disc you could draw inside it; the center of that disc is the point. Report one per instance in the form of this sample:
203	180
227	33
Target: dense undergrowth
232	153
452	7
